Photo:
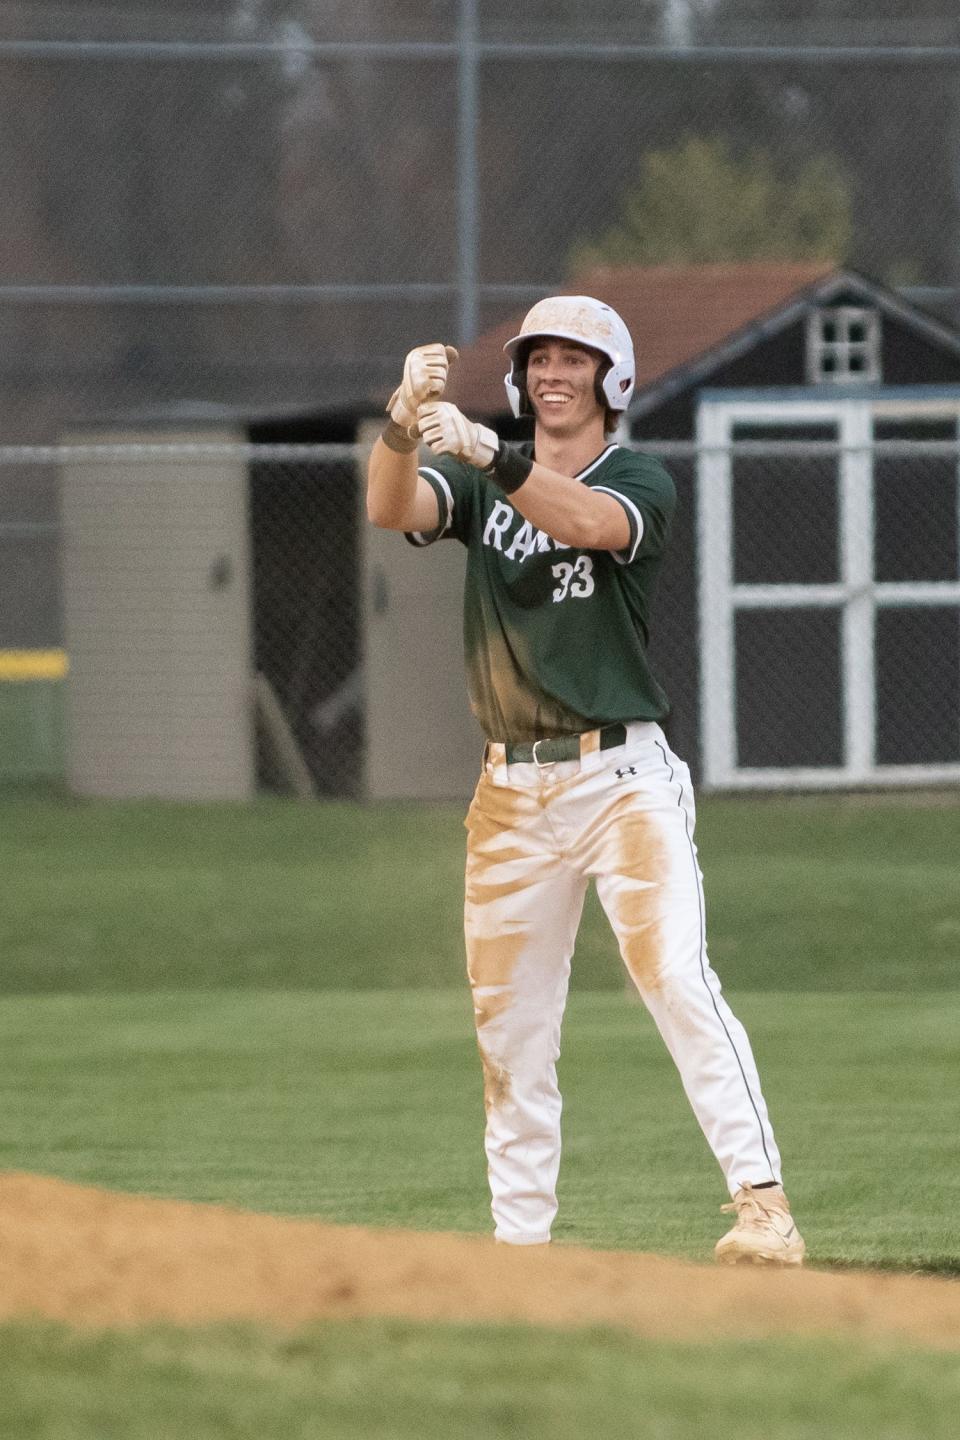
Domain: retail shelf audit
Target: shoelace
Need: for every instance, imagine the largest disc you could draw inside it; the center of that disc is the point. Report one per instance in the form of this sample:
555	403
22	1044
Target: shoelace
749	1205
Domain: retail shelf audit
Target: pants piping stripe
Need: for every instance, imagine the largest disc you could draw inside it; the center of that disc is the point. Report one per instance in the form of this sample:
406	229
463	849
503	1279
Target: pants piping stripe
713	998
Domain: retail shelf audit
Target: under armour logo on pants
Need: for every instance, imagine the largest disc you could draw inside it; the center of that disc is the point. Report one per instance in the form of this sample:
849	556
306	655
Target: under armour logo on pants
625	770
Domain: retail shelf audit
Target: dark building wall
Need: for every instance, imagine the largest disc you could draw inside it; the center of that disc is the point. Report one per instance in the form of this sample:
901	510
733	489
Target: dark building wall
778	360
911	358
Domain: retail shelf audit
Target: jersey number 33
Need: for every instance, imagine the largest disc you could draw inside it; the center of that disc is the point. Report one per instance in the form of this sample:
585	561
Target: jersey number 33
575	581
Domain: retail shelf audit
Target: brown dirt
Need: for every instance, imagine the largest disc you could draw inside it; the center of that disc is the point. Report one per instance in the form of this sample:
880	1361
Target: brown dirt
95	1258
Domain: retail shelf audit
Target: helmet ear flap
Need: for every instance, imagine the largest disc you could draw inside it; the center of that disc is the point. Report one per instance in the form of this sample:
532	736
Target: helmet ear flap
515	382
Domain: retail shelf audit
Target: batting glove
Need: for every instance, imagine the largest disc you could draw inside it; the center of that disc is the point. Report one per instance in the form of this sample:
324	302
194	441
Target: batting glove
447	431
424	377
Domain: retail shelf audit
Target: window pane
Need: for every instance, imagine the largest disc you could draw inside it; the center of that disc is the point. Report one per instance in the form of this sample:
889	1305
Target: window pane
785	520
915	518
784	508
918	685
788	688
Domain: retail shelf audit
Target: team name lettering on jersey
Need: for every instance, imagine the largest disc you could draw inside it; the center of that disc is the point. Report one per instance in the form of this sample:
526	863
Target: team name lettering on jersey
525	542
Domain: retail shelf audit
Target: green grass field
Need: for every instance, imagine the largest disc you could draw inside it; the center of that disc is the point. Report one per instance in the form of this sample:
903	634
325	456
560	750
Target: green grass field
263	1005
392	1381
366	1108
803	894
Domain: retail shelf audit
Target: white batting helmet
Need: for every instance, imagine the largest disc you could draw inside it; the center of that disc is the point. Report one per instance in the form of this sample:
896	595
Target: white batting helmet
588	322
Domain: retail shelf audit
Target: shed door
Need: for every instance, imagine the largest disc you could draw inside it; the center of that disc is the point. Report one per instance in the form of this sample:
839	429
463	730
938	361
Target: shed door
820	607
157	619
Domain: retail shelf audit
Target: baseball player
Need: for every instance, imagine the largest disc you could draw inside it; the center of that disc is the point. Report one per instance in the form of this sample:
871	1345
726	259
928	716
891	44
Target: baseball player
565	539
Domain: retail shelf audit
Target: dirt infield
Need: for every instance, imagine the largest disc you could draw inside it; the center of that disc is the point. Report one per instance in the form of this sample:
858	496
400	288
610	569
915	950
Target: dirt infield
96	1258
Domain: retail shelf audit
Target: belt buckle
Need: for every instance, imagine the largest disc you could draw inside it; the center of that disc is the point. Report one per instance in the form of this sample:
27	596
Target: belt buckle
540	764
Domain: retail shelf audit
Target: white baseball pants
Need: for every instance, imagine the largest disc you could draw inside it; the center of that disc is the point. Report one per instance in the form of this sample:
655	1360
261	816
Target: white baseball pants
537	835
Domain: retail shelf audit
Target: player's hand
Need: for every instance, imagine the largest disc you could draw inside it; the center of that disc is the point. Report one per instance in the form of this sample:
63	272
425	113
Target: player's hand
447	431
424	377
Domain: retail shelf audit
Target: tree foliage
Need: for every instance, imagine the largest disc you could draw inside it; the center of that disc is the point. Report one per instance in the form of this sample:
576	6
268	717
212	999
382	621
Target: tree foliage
699	202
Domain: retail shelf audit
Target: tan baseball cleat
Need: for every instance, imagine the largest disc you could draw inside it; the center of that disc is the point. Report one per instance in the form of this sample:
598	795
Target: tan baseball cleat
764	1233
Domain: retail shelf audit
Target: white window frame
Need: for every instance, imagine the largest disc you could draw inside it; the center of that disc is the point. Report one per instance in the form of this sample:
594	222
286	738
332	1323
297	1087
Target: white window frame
856	594
842	347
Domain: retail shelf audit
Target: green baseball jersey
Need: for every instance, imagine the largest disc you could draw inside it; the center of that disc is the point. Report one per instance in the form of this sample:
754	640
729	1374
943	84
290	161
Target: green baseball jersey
555	638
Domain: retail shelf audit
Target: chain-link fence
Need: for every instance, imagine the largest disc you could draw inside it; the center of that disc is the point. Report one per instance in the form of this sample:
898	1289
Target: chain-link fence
252	211
238	218
221	625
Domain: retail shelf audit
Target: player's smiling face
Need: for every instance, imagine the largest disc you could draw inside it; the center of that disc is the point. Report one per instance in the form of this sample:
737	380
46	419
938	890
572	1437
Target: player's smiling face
560	384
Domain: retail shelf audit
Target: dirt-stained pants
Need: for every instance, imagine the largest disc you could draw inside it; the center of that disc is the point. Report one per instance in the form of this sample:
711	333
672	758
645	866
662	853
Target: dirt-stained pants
537	835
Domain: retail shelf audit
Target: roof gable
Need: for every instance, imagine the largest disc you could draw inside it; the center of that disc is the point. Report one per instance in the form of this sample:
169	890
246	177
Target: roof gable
687	320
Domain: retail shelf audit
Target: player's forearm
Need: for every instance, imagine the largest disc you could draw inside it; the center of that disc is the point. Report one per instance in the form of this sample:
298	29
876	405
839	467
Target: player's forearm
562	507
570	511
391	487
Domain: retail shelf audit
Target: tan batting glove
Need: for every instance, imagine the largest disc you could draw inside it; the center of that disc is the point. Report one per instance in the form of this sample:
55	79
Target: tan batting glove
447	431
424	377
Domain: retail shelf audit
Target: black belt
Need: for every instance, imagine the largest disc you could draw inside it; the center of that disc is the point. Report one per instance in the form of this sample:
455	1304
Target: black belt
562	747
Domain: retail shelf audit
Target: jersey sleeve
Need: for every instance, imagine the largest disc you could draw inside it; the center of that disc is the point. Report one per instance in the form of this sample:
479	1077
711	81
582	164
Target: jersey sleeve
455	486
647	493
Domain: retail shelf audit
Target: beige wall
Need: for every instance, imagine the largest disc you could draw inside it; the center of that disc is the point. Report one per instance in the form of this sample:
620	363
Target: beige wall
156	590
